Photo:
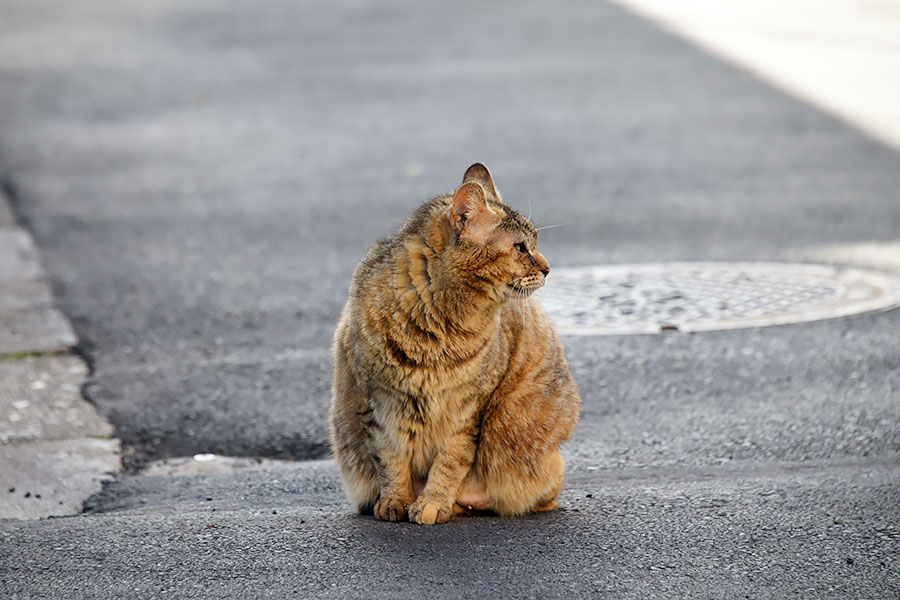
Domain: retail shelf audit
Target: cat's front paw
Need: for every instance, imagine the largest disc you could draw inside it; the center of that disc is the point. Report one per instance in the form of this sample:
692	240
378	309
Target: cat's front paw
390	509
429	512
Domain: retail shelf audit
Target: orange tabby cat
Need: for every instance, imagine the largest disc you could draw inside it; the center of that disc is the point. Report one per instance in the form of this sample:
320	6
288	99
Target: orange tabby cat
451	389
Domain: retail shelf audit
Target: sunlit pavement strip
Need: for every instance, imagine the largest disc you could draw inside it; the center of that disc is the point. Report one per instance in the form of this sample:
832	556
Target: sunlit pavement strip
55	450
882	256
205	464
841	55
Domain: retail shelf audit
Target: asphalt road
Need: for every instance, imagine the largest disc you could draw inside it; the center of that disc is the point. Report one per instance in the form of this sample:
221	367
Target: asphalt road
202	178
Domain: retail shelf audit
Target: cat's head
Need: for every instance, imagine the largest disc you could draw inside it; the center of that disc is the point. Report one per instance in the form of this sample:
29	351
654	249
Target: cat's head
496	243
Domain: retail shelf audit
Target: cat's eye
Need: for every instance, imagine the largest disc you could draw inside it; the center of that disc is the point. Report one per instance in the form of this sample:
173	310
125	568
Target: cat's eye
520	246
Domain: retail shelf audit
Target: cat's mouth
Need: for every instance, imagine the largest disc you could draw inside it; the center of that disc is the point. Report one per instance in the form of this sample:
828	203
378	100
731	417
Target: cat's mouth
518	290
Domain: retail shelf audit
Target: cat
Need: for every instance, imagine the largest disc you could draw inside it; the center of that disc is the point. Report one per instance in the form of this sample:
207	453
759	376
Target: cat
451	389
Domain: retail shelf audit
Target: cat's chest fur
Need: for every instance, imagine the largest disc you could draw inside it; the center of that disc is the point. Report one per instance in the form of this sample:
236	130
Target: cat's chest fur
423	388
419	425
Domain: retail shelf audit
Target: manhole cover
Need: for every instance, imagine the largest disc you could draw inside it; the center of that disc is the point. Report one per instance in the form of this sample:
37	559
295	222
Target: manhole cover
654	298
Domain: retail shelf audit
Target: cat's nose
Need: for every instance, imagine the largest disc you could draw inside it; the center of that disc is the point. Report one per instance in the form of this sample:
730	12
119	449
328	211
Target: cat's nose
544	265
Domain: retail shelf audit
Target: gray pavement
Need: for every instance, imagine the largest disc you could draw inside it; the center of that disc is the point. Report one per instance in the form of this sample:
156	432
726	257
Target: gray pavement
201	180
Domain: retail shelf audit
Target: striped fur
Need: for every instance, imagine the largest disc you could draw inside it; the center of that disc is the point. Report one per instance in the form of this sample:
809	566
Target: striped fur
451	389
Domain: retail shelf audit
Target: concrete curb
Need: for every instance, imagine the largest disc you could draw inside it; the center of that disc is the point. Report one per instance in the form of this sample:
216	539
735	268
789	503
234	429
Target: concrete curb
55	450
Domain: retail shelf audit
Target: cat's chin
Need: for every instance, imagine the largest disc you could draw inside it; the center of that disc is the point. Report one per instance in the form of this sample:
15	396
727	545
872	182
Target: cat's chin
514	291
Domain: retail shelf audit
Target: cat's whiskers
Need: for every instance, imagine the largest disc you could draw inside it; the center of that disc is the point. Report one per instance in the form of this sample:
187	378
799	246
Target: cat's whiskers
548	226
525	306
547	207
516	301
523	309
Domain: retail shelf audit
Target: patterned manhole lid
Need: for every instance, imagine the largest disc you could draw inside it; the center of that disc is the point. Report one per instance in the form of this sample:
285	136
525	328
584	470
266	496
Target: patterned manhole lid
653	298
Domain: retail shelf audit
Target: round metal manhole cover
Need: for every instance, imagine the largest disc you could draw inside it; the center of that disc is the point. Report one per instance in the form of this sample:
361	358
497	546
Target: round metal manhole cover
689	297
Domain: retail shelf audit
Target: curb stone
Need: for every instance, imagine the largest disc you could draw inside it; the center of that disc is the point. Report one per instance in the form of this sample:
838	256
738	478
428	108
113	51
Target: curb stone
55	450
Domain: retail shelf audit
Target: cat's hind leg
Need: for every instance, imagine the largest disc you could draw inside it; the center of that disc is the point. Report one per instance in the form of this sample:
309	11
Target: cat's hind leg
349	439
362	489
550	500
357	471
518	463
516	487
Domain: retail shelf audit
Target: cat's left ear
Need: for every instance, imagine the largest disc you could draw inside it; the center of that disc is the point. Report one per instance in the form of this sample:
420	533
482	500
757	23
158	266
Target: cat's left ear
478	172
470	214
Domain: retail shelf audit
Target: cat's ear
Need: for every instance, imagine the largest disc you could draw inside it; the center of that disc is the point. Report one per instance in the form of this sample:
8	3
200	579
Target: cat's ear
478	172
470	214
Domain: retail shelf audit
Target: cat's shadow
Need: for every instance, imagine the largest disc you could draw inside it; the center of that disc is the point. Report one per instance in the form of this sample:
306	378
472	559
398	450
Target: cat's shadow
463	547
477	520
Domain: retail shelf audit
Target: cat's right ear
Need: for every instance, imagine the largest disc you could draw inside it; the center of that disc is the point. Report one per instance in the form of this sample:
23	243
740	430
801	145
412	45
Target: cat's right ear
479	173
470	214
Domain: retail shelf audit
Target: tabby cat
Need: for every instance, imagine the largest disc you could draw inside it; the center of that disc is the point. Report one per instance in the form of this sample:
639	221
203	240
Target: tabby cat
451	389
